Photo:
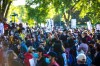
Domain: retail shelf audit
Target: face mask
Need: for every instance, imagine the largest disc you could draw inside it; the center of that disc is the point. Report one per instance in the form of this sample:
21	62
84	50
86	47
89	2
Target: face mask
47	60
64	34
76	41
36	55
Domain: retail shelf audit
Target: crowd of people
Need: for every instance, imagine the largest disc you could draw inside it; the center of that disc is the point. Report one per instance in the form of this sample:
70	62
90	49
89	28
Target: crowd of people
21	46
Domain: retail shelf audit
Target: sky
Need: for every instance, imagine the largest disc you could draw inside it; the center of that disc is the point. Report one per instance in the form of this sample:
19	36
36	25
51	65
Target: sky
19	2
22	2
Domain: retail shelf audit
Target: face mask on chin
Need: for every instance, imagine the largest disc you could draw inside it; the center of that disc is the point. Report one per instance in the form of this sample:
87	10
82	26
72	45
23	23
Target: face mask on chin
36	55
47	60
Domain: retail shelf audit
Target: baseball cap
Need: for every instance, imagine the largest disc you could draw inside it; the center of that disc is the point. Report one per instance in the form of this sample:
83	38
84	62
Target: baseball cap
81	57
53	54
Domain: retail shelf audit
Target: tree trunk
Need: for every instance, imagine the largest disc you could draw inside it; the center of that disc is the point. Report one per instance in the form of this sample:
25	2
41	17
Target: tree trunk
4	7
6	13
65	17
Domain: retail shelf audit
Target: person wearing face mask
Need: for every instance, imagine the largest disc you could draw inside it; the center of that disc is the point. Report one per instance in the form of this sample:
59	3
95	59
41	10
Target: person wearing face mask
51	60
34	54
81	60
41	59
28	60
96	60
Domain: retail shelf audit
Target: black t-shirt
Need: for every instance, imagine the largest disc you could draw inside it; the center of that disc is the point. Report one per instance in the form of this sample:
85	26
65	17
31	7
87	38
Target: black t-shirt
98	36
82	65
63	37
41	62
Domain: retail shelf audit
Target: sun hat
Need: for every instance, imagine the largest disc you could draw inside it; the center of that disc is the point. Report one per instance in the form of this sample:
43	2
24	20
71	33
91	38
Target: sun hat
30	48
52	54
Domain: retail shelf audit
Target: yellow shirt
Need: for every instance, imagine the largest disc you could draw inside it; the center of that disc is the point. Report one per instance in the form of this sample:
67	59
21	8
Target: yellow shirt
22	36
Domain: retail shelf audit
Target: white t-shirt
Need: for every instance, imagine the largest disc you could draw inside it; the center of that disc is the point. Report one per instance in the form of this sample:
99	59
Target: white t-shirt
31	61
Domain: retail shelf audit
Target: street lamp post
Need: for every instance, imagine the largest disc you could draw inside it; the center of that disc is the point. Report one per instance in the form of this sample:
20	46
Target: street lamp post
14	15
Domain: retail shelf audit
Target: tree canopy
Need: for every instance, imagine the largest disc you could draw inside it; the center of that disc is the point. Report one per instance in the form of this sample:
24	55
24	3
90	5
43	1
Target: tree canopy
86	8
40	10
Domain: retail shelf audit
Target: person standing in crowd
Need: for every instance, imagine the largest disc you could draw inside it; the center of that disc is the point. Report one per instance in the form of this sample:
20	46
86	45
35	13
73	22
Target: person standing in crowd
96	60
28	57
59	50
28	42
87	37
24	48
81	60
83	46
51	60
92	49
41	59
98	36
64	37
6	27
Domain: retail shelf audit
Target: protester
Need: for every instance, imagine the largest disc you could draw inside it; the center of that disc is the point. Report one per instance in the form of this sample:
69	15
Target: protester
6	27
41	59
59	50
28	57
83	46
98	36
96	60
61	46
51	60
81	60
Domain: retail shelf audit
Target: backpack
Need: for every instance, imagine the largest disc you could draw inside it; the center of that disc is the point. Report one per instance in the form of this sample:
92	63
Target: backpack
71	58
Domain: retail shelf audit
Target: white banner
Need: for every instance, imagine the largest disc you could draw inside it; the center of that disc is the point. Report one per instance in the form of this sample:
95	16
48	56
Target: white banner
89	26
49	25
73	23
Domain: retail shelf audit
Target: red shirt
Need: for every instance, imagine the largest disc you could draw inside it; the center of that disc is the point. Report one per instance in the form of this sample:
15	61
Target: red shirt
28	56
6	26
54	64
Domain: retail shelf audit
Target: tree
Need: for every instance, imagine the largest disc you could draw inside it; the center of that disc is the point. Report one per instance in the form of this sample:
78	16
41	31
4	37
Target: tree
61	6
20	10
90	8
38	13
4	7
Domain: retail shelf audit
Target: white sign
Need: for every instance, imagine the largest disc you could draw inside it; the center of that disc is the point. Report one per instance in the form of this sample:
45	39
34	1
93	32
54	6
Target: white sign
49	25
89	26
73	23
98	27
